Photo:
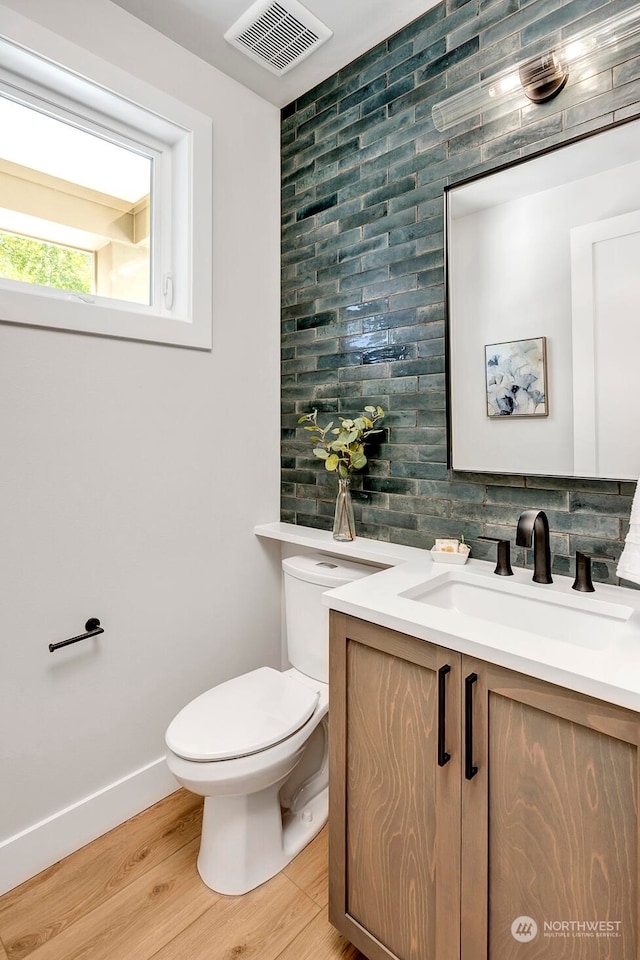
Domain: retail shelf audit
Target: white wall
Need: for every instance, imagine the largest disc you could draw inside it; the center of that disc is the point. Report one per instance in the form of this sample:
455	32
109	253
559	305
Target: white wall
131	475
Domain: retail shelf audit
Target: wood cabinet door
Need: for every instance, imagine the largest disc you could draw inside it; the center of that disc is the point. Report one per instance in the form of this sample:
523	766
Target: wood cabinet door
394	840
550	852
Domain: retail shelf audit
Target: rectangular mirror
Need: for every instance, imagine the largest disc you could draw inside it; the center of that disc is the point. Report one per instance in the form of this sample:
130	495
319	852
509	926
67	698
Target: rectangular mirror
543	305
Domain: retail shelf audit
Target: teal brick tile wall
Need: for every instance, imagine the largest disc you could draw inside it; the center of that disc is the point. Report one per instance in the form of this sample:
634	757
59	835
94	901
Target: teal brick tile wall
363	173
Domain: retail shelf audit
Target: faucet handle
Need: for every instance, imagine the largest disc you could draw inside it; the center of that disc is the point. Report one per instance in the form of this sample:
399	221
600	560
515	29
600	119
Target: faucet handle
503	566
583	581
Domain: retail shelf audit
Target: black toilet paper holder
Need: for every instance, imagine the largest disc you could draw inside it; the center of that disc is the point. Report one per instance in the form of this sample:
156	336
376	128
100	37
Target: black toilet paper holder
93	628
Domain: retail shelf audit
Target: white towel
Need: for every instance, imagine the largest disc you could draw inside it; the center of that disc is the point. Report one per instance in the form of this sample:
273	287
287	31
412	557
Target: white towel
629	564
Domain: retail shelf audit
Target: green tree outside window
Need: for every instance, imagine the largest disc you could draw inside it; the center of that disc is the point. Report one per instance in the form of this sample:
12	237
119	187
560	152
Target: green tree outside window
34	261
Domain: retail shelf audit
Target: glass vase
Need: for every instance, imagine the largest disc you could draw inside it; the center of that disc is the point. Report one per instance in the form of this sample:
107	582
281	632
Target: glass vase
344	525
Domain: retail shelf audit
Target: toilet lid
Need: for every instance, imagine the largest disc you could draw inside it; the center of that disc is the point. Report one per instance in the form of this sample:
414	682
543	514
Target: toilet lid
241	716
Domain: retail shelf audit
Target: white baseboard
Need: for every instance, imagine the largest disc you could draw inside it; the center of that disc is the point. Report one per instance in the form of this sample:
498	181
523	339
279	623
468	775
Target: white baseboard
39	846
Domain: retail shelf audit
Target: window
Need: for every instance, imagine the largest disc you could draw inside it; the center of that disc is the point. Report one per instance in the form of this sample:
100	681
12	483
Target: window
97	198
83	190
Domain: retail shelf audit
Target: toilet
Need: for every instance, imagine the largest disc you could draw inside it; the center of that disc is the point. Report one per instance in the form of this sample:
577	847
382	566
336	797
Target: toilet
256	746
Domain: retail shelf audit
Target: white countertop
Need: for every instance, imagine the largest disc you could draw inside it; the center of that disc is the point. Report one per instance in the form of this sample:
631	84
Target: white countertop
608	670
373	551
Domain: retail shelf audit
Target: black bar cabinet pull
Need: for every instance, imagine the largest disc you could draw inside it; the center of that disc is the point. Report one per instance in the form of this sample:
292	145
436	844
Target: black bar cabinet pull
470	769
443	756
93	628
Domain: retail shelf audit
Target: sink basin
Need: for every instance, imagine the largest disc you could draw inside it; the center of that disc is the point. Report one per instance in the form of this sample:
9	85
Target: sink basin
582	619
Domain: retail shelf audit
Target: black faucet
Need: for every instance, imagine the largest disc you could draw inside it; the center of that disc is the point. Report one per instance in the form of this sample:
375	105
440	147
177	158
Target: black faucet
534	526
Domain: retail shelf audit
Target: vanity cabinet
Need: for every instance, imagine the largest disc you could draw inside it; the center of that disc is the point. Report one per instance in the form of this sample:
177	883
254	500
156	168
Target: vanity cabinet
476	813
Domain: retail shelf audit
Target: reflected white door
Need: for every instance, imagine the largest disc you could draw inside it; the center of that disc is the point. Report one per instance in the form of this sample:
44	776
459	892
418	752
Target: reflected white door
605	278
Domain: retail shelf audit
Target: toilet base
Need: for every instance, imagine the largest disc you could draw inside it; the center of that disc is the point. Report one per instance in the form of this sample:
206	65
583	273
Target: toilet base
247	840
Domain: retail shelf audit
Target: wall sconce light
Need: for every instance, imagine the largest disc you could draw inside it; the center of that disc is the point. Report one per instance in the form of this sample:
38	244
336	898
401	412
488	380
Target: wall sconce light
541	78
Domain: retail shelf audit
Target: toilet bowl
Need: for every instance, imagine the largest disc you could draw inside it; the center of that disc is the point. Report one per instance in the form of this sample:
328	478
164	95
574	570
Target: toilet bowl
256	746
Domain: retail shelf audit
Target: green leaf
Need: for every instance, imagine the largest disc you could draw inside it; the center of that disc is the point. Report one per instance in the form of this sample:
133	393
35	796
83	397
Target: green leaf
342	448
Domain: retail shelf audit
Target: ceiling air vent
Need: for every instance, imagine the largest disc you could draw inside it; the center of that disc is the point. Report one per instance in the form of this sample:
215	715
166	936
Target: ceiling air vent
278	35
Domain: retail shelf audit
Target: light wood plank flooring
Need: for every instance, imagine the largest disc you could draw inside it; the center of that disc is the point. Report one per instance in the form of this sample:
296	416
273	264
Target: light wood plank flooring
135	894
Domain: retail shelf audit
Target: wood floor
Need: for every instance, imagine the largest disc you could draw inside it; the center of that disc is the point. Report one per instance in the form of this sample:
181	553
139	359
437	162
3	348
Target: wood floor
135	894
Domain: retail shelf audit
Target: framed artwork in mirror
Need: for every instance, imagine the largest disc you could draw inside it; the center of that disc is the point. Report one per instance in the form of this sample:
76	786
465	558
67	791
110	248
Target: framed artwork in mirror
516	378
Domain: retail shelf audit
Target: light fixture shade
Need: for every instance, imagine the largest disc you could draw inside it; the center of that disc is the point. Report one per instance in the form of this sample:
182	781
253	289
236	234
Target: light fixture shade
542	77
503	87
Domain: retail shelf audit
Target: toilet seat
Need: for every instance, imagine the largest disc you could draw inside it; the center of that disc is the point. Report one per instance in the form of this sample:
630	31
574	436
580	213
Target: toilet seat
242	716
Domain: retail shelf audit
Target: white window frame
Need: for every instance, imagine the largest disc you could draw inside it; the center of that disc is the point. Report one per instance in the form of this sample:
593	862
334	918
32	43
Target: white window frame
128	112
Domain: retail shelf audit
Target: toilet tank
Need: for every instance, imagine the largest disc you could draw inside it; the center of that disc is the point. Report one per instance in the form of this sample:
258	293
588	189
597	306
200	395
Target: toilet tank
307	620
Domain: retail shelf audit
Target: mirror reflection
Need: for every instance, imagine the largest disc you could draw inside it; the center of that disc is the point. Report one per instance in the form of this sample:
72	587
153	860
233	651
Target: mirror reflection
543	289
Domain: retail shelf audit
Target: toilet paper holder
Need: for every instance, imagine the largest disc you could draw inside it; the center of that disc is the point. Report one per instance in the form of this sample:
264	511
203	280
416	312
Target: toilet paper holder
93	628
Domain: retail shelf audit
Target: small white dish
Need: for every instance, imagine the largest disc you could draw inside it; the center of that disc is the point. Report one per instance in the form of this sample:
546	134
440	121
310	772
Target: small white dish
447	556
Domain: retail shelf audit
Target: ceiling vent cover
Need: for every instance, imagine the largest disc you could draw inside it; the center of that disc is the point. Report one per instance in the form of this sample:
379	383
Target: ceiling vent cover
278	35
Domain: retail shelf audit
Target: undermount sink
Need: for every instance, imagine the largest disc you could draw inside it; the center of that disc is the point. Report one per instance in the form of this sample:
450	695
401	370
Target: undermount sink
580	619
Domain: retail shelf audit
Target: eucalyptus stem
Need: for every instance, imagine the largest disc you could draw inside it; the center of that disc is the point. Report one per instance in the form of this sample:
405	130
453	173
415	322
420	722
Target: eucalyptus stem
342	448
